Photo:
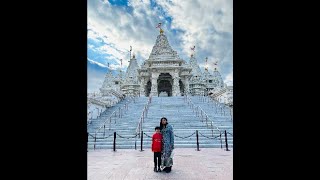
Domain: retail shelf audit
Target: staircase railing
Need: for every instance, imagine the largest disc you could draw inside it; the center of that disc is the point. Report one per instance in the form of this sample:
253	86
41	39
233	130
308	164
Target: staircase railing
199	111
117	113
143	115
219	92
220	105
224	106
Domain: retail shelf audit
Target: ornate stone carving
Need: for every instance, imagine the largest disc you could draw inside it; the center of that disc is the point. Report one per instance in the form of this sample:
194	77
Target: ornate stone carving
163	59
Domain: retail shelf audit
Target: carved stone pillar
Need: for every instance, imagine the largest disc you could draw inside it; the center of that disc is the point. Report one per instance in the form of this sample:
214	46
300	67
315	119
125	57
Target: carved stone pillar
154	89
176	89
142	87
186	85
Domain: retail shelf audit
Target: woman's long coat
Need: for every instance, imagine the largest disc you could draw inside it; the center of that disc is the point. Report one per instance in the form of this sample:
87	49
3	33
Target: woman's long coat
168	145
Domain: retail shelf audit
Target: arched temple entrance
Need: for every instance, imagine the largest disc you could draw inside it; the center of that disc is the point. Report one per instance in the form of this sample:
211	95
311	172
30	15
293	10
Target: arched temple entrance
165	83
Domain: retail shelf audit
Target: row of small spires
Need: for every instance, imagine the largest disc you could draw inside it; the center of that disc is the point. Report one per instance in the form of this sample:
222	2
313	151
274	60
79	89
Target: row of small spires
206	67
161	32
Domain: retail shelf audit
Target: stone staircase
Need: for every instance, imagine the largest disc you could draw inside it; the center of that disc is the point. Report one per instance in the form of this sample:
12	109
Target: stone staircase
124	126
97	122
179	114
219	113
184	122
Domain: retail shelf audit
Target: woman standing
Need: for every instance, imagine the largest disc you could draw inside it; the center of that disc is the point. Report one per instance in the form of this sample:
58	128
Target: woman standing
168	144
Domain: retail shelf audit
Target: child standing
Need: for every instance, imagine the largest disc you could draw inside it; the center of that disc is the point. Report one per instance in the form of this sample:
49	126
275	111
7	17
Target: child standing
156	148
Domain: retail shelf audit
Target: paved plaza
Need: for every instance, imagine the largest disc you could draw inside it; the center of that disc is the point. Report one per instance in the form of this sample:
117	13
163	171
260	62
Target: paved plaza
130	164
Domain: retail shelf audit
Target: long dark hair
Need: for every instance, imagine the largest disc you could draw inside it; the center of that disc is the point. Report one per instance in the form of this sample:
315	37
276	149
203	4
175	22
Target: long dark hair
161	125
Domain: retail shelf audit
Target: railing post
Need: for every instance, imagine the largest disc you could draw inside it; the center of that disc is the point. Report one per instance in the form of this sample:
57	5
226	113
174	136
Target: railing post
104	130
135	142
141	126
207	120
220	140
95	140
141	140
114	141
225	134
197	140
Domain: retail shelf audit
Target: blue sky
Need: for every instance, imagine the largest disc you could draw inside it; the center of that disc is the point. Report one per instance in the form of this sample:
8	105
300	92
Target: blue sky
115	25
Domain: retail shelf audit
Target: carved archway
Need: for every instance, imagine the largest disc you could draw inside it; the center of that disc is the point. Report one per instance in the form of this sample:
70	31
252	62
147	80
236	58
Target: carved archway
165	83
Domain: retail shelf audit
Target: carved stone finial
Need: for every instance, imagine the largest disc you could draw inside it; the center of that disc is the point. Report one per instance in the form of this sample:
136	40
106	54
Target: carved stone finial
161	31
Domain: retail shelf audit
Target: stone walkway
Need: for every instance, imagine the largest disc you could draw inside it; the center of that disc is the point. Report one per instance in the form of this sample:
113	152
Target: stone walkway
130	164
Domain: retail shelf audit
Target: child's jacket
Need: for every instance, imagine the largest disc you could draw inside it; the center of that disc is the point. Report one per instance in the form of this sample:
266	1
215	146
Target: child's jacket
156	142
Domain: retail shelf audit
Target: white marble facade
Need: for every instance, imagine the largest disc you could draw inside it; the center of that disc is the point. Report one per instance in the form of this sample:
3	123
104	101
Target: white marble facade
164	72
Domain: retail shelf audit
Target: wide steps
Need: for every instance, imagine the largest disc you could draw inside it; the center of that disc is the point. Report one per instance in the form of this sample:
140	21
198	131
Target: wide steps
180	116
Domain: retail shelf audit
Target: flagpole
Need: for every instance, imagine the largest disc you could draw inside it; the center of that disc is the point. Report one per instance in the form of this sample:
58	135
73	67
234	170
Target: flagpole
130	53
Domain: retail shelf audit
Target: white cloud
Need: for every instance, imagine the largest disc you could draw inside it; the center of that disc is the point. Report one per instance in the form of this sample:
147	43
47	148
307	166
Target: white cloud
120	29
207	24
229	79
93	35
95	81
95	62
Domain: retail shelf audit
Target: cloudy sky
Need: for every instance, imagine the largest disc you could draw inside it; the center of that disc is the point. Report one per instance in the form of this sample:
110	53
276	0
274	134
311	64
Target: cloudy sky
115	25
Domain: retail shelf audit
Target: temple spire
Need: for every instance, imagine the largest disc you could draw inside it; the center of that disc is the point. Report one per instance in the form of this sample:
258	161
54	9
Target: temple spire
206	66
193	50
215	65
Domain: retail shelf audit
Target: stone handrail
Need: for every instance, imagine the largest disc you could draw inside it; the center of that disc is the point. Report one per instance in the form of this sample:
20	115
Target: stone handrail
143	114
219	93
125	106
188	99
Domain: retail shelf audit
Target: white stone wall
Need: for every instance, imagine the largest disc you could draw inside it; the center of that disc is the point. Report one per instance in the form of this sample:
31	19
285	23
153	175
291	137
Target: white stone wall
223	95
